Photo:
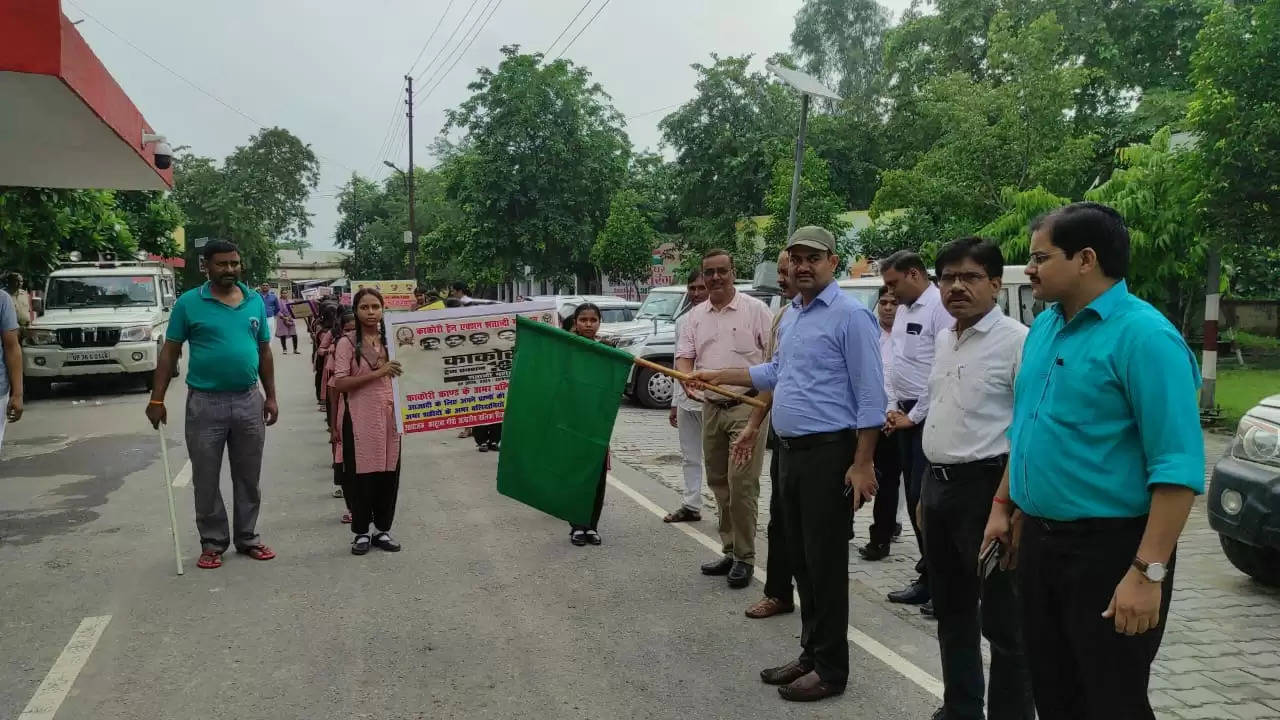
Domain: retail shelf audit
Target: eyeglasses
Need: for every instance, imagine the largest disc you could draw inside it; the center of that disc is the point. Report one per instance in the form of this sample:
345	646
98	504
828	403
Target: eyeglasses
964	278
1038	258
713	272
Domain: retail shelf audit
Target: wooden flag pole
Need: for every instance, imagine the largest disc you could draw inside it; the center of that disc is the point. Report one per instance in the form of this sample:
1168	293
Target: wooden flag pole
752	401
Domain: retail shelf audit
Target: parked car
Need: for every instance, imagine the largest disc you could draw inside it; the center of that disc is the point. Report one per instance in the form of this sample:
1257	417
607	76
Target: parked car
613	310
99	318
1244	495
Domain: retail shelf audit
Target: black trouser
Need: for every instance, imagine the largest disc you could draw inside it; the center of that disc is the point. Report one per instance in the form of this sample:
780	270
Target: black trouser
956	503
1081	668
284	343
371	497
778	566
484	434
914	466
599	506
816	522
884	511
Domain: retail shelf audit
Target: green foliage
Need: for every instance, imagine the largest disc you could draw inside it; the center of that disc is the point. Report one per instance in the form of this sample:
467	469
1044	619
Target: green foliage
256	198
624	248
1021	207
840	42
818	205
545	152
39	226
1236	113
911	229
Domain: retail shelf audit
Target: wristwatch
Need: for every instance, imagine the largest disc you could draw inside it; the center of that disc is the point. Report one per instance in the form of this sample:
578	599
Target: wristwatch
1154	572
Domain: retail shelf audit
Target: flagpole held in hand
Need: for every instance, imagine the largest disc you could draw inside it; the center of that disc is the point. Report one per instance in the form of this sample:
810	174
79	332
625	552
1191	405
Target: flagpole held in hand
744	399
168	487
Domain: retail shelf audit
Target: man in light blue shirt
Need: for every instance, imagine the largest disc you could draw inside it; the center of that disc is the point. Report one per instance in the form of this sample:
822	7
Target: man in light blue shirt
10	365
1106	457
828	408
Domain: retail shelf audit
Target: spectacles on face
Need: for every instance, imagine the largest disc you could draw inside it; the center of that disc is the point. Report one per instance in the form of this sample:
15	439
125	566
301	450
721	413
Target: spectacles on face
716	271
968	279
1039	258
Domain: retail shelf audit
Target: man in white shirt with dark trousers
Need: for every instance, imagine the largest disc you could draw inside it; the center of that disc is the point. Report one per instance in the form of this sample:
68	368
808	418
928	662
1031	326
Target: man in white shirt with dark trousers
920	318
965	442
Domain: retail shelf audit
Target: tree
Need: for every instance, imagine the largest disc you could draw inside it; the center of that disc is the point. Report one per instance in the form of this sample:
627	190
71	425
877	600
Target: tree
818	204
840	42
545	152
1009	130
256	199
624	248
1236	113
724	139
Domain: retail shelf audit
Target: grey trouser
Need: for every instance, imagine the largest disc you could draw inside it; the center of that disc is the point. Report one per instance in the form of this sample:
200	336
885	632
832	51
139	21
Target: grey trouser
689	424
232	420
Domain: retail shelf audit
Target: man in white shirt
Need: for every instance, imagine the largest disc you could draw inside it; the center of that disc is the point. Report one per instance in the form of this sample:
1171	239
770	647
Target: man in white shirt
915	328
970	409
686	416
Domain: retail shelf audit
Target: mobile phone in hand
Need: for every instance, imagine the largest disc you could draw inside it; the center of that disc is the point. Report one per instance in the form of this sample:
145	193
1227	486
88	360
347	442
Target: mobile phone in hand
989	560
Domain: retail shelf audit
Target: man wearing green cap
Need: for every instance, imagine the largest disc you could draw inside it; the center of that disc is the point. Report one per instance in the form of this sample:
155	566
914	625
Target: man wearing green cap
828	407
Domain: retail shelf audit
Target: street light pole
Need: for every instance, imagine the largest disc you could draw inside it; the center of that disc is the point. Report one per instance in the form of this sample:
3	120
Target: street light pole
795	179
413	228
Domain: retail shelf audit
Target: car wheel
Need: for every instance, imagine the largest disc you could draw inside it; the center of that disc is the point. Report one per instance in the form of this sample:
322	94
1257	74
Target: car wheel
653	389
1261	564
36	388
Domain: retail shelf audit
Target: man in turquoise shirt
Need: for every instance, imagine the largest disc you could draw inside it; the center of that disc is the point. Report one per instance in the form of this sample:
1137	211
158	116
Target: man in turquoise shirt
1105	461
225	323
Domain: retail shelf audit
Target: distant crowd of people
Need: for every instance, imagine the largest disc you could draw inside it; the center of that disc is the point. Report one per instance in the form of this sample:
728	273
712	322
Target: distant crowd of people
1047	473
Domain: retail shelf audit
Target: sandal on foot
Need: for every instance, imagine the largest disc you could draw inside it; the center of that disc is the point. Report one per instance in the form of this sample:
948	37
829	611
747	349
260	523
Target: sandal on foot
209	560
337	492
360	545
593	537
384	541
257	552
578	537
684	514
345	519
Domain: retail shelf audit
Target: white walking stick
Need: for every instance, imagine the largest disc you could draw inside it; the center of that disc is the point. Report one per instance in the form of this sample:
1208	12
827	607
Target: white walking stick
168	488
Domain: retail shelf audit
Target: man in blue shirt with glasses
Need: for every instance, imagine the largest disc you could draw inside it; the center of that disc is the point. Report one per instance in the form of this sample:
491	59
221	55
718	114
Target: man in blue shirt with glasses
1106	458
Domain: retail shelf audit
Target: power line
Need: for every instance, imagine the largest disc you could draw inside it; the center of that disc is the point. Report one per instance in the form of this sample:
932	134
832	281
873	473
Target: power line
260	125
651	112
392	124
568	25
584	29
452	35
430	37
458	57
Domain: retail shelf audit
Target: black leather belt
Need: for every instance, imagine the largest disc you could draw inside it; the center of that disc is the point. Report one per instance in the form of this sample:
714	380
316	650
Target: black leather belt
727	404
963	471
1089	525
804	442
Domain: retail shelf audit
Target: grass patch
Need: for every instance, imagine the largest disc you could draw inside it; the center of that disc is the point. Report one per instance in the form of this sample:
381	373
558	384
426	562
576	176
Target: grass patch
1239	390
1249	341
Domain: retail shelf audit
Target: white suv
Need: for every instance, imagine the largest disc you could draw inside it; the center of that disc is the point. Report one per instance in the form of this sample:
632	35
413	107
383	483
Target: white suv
103	318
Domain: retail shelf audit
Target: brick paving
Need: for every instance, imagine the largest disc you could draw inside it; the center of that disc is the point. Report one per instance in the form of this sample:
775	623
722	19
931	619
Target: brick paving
1220	658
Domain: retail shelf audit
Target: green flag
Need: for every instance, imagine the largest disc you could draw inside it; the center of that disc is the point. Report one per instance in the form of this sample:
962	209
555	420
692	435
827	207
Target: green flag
561	404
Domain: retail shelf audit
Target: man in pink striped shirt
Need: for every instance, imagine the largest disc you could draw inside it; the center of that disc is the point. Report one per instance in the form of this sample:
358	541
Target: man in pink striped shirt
729	330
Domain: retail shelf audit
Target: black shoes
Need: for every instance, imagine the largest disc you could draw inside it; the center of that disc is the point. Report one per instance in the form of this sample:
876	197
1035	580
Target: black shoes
874	551
785	674
740	575
718	567
383	541
916	593
360	545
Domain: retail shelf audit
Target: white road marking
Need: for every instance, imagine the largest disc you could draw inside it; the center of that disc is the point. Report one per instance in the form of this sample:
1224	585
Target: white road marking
875	648
183	478
49	696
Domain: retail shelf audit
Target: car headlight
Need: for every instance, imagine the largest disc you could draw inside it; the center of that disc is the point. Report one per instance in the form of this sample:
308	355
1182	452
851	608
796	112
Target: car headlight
137	333
40	336
630	341
1257	441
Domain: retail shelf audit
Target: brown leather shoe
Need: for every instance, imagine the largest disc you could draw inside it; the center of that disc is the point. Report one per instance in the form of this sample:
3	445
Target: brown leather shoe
768	607
809	688
785	674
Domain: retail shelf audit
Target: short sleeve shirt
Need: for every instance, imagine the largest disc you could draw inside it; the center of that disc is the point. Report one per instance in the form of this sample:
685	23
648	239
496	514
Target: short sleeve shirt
735	336
8	323
224	340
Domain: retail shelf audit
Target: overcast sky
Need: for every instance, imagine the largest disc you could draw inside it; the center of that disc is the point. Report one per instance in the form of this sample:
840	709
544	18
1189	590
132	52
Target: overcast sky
330	71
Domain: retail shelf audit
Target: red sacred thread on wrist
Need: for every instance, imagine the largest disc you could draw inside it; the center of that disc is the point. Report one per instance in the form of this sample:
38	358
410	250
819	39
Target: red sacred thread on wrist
1000	500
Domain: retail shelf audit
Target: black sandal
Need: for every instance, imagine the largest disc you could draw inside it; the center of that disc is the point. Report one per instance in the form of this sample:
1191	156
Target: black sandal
383	540
593	537
578	537
360	545
684	514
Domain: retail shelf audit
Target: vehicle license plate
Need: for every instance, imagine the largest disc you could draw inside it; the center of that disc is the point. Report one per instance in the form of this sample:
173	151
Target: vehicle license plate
92	355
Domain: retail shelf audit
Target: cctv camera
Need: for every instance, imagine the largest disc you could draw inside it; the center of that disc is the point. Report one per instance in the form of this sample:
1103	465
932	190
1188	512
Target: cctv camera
162	153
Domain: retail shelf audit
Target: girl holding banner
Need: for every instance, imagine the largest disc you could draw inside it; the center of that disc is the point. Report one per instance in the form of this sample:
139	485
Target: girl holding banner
362	374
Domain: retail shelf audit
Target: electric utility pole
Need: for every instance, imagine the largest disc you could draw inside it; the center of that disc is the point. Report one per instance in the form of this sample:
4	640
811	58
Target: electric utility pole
413	228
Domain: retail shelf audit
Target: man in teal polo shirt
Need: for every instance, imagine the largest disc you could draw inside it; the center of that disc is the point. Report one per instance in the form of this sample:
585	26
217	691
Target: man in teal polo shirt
1106	458
225	323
